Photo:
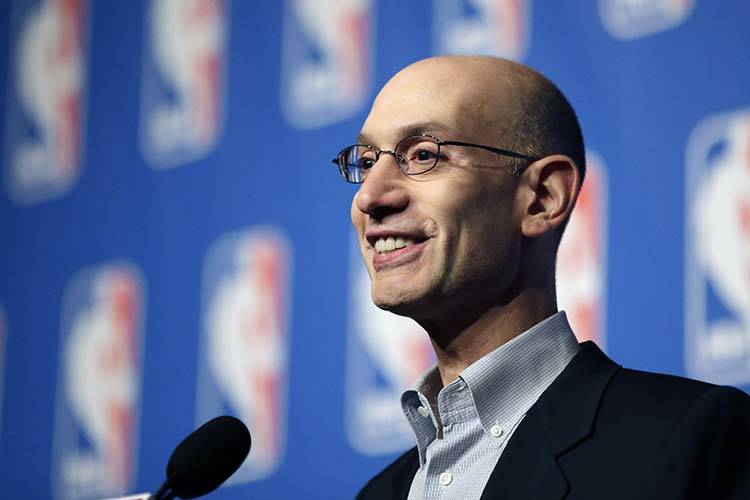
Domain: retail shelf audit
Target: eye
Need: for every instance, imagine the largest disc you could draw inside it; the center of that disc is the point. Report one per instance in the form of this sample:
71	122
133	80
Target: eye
418	150
365	163
417	154
362	157
424	155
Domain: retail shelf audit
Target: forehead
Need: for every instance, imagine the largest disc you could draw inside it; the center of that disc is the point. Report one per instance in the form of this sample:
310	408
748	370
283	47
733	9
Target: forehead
450	101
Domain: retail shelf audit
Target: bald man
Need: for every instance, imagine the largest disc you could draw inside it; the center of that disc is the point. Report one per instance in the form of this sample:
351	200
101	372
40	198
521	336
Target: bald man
469	168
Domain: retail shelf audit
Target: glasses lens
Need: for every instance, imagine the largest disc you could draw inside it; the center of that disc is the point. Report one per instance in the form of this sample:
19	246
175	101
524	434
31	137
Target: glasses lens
355	162
417	154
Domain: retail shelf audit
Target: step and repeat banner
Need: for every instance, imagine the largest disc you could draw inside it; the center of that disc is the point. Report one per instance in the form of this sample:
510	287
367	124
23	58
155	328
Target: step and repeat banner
176	243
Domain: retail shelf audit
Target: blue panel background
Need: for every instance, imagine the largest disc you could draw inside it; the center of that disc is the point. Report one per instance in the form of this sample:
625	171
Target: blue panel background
637	100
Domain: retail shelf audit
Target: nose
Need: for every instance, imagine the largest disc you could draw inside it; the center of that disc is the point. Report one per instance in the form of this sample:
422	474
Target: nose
384	191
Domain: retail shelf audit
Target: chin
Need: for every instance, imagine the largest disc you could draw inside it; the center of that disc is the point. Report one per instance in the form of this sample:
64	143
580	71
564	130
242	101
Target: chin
391	304
402	302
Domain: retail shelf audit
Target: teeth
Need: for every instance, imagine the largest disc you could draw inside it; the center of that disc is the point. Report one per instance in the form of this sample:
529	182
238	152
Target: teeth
389	244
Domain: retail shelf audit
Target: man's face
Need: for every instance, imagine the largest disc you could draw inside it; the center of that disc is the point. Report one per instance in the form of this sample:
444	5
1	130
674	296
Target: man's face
456	221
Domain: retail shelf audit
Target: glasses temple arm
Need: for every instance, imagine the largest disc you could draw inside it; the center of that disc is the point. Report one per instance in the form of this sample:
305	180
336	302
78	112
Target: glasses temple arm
499	151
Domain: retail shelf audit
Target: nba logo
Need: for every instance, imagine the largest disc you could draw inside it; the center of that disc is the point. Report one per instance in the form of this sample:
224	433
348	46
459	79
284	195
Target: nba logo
98	392
629	19
46	99
184	66
490	27
243	354
327	59
386	354
717	250
582	257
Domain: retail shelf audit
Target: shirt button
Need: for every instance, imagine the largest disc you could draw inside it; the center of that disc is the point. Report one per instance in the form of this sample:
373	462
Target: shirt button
446	478
423	411
496	431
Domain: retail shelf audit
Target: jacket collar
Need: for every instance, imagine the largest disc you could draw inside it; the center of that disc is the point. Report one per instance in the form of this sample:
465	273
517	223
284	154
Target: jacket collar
562	417
568	407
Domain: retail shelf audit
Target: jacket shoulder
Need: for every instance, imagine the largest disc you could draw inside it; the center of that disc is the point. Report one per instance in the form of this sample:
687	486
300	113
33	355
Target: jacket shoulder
398	474
680	438
635	397
656	391
706	454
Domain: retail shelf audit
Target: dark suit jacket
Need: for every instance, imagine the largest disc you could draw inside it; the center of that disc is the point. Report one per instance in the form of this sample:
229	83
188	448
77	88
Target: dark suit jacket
601	431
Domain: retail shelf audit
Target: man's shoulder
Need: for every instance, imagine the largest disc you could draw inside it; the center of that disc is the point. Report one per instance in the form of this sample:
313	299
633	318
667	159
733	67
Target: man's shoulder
664	389
637	397
630	380
628	395
383	485
657	427
679	428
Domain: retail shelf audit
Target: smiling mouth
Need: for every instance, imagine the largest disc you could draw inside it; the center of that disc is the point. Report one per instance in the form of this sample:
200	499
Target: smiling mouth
390	244
392	252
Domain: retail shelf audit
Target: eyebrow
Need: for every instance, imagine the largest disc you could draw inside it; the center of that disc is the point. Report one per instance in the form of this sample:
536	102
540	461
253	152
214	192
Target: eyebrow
417	128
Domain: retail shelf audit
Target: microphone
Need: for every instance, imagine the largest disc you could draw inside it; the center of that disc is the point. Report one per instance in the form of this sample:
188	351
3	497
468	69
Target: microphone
205	459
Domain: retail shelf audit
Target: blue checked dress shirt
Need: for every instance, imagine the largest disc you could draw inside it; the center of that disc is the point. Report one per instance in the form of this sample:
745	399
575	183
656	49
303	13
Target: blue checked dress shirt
463	428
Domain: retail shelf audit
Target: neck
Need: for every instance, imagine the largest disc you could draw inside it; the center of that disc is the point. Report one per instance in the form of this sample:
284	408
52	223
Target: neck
459	343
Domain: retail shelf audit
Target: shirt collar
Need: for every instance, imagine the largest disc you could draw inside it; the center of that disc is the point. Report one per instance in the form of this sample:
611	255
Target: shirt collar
421	397
504	384
507	382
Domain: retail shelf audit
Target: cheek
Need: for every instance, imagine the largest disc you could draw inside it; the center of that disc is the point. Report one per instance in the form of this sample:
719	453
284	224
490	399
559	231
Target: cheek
485	226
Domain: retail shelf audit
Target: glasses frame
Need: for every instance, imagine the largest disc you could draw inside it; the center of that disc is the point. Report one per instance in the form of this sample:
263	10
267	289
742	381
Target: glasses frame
341	164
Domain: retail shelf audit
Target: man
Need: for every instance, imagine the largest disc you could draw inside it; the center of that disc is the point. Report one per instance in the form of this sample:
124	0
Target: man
469	169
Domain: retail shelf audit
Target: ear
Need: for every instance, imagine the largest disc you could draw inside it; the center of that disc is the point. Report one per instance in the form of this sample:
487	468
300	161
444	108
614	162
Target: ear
547	193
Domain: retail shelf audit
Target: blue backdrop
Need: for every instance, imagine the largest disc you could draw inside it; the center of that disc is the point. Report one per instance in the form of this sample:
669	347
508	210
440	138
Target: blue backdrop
176	243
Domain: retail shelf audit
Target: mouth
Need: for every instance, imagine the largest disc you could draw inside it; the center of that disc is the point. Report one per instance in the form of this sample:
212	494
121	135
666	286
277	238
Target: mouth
390	244
392	250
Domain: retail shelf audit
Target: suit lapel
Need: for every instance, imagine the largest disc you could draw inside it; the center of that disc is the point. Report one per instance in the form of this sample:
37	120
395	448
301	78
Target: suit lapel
527	468
568	407
562	417
404	477
394	482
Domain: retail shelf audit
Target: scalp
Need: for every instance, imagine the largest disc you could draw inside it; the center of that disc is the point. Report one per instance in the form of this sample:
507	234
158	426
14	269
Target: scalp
510	104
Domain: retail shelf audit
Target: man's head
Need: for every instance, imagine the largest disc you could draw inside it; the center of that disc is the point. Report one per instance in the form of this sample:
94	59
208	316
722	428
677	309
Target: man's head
476	235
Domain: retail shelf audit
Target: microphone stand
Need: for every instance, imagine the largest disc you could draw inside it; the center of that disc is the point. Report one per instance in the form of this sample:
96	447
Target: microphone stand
165	491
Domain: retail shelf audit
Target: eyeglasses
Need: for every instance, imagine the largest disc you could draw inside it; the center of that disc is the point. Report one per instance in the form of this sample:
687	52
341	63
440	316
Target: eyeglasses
414	155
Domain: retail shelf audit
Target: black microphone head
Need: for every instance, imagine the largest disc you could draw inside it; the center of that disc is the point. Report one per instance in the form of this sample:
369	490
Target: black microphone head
208	456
